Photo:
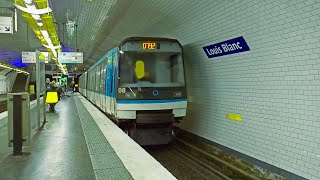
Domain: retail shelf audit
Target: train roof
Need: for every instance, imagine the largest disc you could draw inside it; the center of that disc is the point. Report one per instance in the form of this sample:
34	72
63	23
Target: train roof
148	39
135	39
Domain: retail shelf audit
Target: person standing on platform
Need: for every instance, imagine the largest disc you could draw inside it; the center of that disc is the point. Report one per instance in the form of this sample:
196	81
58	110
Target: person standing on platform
47	83
72	87
63	88
53	88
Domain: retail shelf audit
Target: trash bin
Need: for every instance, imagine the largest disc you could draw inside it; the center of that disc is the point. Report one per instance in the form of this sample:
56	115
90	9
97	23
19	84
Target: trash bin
18	121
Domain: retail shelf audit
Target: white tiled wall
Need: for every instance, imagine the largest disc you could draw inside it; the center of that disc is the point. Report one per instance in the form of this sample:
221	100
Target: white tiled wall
275	86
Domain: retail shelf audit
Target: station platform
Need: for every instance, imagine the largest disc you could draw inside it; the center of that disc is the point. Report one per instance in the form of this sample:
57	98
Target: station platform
79	142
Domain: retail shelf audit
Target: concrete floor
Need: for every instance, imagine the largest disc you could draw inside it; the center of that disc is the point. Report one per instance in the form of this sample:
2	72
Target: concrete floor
59	151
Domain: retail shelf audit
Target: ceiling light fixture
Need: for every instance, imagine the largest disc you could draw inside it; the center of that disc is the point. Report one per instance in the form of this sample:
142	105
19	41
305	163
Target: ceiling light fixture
5	66
52	47
40	24
15	69
36	17
28	1
31	9
34	9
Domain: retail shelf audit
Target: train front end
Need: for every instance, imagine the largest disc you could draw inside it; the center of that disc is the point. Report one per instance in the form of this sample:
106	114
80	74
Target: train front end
151	94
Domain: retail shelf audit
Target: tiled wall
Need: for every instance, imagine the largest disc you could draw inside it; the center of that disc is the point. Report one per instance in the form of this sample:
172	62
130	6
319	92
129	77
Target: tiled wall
275	86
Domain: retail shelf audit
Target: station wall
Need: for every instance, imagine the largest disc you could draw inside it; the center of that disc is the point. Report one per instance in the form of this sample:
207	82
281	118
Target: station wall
275	86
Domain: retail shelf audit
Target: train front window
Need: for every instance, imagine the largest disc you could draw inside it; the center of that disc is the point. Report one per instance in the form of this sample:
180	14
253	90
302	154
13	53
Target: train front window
161	69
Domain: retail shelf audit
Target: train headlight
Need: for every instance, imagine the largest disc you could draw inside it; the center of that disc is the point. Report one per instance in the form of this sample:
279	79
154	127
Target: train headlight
177	94
130	95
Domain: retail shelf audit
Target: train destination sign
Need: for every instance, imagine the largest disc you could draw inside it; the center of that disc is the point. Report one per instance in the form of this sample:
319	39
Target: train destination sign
231	46
149	45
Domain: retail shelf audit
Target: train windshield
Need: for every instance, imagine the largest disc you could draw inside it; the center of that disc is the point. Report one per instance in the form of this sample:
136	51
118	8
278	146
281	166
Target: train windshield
151	69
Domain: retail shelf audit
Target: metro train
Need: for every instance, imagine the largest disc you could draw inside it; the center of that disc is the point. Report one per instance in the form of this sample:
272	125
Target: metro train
141	86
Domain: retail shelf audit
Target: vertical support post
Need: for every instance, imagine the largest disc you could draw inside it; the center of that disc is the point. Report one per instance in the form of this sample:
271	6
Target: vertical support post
44	97
15	20
17	124
38	73
44	108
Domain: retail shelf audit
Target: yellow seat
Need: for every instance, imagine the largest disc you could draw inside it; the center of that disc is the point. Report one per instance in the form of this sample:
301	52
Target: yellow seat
52	97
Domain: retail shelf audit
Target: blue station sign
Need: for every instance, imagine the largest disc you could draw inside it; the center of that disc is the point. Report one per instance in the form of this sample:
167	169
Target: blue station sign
231	46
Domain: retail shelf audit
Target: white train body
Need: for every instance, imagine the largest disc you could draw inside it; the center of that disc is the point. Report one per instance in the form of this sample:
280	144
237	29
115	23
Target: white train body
141	86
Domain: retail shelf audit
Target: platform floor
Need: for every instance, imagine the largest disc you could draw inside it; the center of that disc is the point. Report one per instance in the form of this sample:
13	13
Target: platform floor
59	151
79	142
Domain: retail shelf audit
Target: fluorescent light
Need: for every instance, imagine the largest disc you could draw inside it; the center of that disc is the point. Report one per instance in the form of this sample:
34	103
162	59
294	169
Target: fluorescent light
45	34
54	52
33	9
52	47
5	66
40	24
121	52
36	17
18	70
28	1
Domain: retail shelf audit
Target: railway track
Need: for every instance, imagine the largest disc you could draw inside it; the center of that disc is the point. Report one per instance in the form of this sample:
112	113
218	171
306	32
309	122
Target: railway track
206	171
213	162
186	161
182	165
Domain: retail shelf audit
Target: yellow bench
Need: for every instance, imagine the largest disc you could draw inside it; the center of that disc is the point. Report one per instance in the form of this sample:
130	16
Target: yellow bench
52	97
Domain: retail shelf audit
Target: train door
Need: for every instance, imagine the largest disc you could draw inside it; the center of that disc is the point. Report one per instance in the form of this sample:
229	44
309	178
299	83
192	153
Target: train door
101	94
94	73
109	83
98	100
112	102
104	84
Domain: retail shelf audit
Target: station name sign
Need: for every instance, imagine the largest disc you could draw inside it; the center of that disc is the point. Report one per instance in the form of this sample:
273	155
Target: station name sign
231	46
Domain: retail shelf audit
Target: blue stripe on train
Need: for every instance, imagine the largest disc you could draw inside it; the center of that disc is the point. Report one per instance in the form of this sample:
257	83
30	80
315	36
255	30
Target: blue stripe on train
149	101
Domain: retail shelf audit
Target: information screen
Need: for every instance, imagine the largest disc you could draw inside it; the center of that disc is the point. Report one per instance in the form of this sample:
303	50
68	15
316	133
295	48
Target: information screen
70	57
56	75
72	75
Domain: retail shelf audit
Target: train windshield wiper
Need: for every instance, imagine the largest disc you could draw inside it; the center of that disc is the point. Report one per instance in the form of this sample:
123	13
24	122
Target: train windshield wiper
134	94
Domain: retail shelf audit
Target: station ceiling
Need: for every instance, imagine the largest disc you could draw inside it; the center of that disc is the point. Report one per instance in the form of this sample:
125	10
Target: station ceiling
101	25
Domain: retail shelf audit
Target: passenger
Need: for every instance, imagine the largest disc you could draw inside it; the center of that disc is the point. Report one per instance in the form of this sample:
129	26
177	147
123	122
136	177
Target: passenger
58	86
63	88
72	86
53	88
47	83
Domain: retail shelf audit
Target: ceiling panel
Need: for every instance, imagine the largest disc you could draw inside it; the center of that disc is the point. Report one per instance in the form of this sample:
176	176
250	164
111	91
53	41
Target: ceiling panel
24	39
102	24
